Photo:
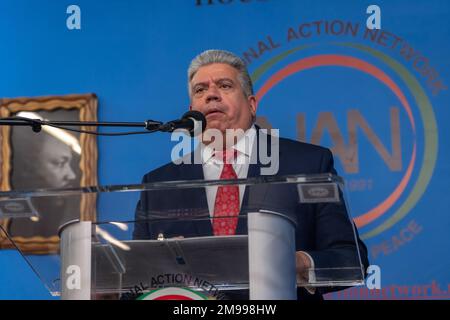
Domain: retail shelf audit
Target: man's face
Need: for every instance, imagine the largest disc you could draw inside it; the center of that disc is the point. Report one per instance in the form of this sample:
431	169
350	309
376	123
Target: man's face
56	157
217	93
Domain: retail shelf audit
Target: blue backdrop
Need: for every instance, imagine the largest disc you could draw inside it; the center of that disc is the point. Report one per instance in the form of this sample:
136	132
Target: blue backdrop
379	99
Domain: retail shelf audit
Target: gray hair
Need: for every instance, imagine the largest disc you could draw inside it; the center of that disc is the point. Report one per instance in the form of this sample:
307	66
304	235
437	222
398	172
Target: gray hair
221	56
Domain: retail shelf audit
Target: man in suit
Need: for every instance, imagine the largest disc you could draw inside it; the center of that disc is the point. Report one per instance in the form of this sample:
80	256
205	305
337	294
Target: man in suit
220	87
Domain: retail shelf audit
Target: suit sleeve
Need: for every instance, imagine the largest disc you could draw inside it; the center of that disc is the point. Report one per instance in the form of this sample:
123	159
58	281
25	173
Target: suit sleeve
336	238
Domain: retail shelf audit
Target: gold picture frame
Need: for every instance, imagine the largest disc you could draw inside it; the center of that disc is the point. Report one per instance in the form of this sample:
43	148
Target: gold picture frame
80	108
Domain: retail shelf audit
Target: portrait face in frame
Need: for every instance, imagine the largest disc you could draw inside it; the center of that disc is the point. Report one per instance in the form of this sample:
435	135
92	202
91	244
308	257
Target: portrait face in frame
51	159
48	159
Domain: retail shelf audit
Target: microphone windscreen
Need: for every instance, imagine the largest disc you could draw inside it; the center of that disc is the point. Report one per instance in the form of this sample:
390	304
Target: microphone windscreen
196	116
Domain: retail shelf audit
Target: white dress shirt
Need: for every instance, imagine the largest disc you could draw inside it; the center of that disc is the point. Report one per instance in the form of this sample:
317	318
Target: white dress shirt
212	166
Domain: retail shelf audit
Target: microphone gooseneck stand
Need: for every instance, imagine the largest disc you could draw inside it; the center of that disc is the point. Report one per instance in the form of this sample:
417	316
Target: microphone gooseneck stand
186	122
36	125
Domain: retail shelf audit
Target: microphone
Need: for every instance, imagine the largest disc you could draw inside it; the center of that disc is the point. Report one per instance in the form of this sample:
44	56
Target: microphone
189	121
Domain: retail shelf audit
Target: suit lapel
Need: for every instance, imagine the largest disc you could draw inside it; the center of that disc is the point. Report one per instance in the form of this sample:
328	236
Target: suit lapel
198	200
254	170
255	195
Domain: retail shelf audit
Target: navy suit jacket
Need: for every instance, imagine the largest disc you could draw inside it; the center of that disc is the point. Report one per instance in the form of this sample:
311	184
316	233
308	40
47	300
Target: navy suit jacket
323	230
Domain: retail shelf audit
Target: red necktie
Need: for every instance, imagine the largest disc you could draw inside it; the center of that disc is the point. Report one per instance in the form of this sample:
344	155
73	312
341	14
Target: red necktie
227	201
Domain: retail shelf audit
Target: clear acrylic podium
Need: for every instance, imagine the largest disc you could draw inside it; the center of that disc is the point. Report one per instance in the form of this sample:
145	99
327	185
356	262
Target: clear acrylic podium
155	241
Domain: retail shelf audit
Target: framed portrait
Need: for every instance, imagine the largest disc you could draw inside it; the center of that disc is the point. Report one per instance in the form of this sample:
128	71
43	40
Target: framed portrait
51	159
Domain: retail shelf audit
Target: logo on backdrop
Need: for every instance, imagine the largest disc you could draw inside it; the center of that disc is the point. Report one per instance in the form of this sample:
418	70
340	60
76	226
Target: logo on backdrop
359	92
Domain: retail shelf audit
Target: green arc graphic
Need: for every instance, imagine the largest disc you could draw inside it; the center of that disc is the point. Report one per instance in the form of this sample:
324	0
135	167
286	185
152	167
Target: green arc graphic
428	120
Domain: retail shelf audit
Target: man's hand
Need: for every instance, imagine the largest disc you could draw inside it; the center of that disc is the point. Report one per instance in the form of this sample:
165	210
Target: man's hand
303	264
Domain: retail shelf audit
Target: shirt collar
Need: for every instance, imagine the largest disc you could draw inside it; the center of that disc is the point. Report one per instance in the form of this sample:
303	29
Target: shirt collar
243	146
